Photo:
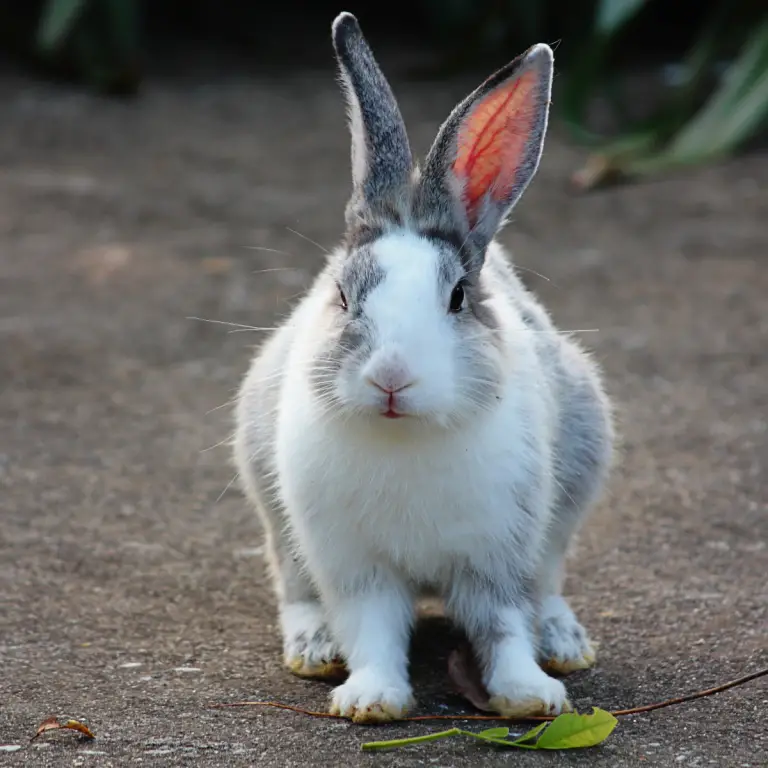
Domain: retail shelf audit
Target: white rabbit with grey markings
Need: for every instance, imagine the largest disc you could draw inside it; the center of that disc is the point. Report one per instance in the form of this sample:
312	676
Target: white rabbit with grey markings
417	424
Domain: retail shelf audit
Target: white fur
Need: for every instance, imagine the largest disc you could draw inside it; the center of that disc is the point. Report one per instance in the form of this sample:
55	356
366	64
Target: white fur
370	490
372	691
359	150
409	497
306	641
378	508
514	675
503	435
563	637
375	631
411	330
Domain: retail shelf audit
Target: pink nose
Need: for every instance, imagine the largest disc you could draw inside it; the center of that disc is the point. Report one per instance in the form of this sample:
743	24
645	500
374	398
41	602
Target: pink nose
391	380
389	389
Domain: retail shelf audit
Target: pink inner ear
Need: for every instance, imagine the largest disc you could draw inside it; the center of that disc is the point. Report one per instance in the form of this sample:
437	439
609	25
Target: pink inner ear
493	138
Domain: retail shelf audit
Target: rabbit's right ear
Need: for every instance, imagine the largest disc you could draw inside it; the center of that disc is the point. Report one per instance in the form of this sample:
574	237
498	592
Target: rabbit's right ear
381	155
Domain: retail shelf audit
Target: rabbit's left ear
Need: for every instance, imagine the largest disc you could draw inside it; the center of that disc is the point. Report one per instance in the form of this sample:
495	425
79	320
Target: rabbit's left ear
488	149
381	155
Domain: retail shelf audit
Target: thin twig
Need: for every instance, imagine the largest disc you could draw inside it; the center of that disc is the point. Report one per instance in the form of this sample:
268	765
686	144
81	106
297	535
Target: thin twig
692	696
421	718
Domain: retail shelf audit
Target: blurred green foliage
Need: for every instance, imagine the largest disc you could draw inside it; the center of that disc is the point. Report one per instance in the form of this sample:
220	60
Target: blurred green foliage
714	99
97	41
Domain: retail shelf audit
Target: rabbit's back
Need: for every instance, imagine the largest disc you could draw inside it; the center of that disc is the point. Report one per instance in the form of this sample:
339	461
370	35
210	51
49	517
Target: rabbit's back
583	439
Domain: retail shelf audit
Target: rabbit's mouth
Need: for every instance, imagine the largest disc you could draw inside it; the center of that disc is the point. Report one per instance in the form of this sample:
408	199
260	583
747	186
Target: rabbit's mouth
392	414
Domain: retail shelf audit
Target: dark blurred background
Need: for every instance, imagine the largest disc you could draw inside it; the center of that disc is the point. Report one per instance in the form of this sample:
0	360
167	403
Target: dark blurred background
650	84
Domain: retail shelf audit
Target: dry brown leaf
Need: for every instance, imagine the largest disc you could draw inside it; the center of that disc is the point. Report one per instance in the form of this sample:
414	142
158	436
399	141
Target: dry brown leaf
598	171
101	263
464	673
217	265
53	724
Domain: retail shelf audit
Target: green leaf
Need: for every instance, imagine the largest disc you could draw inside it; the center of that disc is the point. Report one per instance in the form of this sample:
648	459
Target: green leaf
567	731
612	14
58	19
571	730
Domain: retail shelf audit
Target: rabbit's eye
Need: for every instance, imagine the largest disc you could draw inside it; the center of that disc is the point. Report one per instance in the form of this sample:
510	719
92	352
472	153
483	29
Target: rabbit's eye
343	300
457	298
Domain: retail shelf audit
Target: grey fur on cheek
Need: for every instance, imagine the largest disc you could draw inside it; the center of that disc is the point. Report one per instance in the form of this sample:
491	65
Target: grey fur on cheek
352	340
360	274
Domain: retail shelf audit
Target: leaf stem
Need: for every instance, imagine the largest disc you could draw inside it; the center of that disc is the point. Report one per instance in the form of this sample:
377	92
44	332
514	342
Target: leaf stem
412	740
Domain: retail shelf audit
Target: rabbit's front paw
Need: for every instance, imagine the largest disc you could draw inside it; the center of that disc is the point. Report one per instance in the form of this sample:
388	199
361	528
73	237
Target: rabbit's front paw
529	691
370	696
309	649
564	645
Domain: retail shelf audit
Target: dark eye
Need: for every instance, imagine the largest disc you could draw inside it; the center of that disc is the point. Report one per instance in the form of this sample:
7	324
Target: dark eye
343	300
457	298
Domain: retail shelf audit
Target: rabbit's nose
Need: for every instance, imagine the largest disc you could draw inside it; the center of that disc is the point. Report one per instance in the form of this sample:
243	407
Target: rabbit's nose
390	389
390	378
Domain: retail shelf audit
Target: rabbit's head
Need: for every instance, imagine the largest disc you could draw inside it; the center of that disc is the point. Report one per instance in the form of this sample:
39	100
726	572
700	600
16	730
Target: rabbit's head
411	328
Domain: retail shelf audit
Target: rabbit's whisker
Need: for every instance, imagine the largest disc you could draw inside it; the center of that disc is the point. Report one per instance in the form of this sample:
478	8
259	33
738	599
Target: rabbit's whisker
308	239
240	326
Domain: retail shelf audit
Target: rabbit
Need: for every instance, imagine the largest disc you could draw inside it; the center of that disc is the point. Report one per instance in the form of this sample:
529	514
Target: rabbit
417	425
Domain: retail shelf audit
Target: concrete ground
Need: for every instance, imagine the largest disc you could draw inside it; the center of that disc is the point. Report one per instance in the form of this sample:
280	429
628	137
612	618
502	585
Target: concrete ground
132	585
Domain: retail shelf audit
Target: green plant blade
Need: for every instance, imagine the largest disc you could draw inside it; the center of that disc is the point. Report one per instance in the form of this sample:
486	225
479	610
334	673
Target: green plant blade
122	17
612	14
572	731
393	743
57	21
734	111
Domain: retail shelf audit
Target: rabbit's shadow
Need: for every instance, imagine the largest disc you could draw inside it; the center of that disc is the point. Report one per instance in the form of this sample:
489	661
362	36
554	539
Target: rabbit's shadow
434	640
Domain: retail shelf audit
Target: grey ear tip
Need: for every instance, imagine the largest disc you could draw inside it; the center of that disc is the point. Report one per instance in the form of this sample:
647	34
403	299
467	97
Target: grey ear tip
540	54
344	24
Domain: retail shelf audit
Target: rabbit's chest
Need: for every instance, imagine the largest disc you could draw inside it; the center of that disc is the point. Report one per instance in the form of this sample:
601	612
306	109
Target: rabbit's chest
421	511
